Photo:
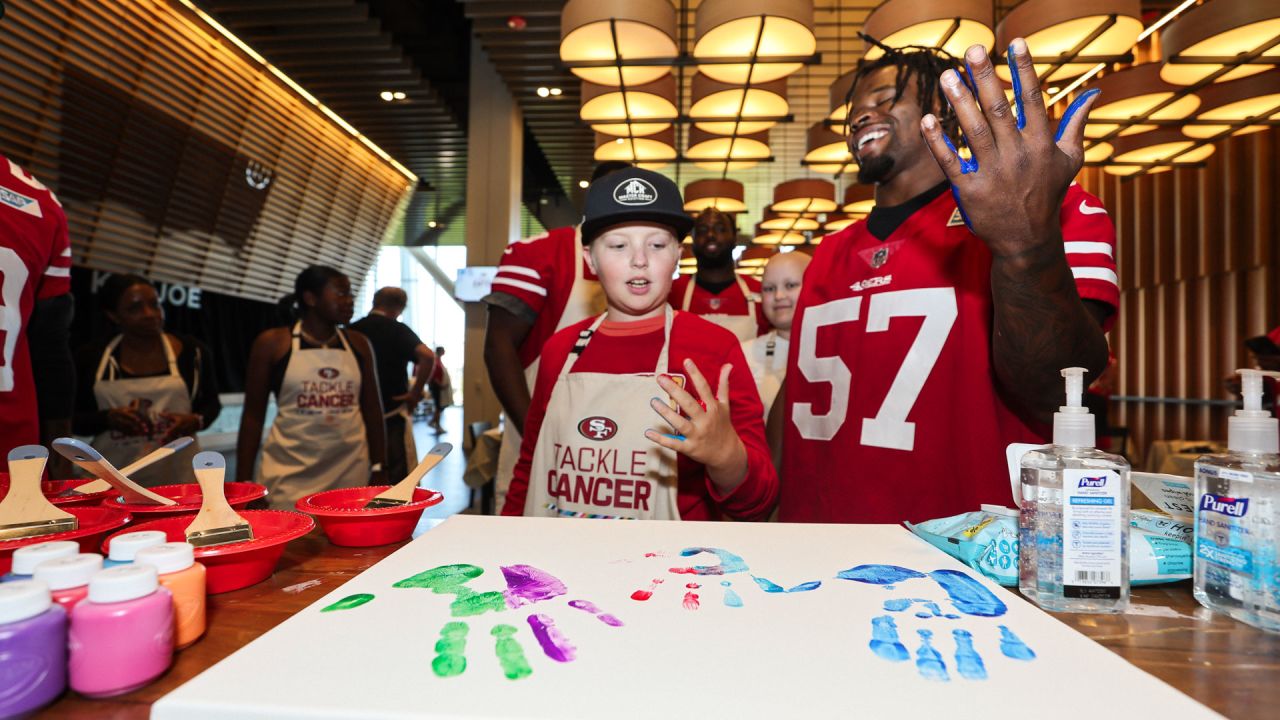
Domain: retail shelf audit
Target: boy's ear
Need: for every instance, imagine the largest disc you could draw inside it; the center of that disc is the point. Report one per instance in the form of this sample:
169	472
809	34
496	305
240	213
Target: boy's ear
591	263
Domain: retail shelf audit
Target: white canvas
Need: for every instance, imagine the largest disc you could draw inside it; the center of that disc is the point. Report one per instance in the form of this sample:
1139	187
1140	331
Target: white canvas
778	655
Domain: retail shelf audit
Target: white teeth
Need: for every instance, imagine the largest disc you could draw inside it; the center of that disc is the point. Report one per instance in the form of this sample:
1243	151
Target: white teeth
873	135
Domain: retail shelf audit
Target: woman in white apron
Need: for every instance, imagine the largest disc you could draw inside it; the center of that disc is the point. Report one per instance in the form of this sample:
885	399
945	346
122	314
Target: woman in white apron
714	237
767	354
600	443
328	431
145	387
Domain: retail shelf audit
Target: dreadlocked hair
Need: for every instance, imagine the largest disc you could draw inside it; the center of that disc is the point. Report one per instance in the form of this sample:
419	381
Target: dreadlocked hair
926	64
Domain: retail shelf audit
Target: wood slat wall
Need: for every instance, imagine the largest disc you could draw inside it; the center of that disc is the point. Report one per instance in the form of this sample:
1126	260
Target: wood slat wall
144	121
1198	264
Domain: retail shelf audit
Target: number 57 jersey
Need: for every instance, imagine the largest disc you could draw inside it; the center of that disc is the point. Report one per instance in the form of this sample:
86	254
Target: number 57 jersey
893	412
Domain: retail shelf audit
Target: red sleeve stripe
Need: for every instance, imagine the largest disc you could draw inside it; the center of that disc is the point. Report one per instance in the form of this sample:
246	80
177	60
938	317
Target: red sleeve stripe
1089	248
521	285
517	270
1096	273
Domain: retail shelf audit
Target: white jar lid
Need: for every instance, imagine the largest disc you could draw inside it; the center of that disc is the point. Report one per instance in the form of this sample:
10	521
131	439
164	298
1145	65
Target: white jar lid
123	583
69	572
167	557
126	546
23	599
25	559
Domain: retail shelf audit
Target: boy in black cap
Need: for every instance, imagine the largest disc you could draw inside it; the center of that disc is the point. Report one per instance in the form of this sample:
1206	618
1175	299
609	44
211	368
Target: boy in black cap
593	446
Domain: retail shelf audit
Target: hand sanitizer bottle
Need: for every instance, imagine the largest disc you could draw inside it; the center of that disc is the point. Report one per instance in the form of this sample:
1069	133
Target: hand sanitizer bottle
1074	517
1237	509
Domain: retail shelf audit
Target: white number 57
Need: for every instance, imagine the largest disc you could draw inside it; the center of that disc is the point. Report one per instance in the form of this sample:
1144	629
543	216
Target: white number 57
889	428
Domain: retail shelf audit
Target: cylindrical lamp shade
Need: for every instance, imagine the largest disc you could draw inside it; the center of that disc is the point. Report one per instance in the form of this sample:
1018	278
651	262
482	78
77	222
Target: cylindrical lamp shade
649	152
731	29
859	199
713	101
839	94
1255	96
1131	93
742	151
1222	28
1154	146
797	223
756	256
724	195
931	23
777	237
838	221
645	29
1053	28
641	110
805	196
824	145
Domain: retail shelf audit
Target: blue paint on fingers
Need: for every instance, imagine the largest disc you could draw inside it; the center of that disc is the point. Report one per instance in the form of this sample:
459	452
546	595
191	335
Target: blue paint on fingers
968	662
928	660
884	640
1013	647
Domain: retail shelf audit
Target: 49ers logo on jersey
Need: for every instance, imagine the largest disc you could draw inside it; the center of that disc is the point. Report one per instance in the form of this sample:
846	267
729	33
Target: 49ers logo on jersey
328	373
597	428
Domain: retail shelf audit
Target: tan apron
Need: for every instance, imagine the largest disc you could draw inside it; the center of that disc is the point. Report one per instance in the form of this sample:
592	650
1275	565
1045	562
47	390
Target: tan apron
744	326
158	394
586	299
767	358
410	444
317	441
592	459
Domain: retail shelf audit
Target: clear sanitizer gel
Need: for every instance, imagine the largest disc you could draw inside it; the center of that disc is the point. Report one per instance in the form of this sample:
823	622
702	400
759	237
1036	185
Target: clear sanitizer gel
1237	507
1074	522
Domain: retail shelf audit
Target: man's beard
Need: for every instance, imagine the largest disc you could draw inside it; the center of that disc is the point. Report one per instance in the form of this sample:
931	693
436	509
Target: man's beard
875	170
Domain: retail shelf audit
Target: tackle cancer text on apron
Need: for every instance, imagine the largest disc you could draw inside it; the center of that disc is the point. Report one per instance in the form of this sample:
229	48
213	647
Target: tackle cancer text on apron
586	299
317	441
592	459
744	326
157	394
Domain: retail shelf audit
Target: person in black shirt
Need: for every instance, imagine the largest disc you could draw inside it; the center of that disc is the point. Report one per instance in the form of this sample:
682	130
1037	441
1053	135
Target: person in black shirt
395	345
144	387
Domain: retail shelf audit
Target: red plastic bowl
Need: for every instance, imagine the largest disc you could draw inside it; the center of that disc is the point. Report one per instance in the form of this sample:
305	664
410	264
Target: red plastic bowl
188	497
53	488
237	565
94	523
347	522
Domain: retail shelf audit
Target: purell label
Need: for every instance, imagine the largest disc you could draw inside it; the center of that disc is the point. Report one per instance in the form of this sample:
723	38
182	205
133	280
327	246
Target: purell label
1223	505
1093	524
1093	482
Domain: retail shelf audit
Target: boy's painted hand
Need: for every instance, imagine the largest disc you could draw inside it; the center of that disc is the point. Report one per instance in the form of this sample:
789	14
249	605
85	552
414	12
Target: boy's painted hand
707	427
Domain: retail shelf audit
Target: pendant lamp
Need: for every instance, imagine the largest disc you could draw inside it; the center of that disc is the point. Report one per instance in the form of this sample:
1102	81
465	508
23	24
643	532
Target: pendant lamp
777	237
1059	31
1255	96
805	196
649	152
714	101
797	223
724	195
636	110
1131	93
757	256
838	93
717	152
762	29
952	25
1216	33
859	199
1160	145
602	31
826	150
837	222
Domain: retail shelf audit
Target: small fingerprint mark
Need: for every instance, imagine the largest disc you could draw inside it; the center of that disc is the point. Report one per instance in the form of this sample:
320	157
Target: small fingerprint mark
731	598
451	659
510	653
590	607
642	595
691	597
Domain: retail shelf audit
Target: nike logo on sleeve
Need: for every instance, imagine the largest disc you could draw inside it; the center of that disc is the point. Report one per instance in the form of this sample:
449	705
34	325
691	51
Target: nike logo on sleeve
1087	209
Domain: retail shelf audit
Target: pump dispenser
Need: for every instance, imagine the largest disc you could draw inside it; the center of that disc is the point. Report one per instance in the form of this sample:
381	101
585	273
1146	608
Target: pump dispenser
1237	511
1073	539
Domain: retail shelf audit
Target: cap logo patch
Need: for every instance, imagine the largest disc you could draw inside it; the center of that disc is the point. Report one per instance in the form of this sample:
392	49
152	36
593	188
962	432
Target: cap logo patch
635	191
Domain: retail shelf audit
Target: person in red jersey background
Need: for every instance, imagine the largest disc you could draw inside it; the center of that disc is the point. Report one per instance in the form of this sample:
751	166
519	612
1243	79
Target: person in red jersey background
36	398
921	348
716	291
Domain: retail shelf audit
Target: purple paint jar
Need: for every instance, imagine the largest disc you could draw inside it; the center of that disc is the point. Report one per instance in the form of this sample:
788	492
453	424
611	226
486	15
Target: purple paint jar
33	647
122	634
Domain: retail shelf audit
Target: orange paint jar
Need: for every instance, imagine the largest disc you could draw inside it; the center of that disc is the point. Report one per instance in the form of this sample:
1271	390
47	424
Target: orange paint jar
185	578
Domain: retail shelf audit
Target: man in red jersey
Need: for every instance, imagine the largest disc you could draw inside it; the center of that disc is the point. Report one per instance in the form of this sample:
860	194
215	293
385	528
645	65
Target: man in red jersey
922	348
35	285
716	291
542	285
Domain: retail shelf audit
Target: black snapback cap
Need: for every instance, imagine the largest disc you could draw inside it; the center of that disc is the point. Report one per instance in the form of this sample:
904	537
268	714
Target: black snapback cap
634	195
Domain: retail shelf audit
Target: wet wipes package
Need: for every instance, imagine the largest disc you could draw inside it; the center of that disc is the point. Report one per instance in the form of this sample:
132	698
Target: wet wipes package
987	541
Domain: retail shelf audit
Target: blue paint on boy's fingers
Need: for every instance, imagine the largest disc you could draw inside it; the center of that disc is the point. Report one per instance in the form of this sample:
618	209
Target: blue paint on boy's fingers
1019	109
674	437
928	660
1072	109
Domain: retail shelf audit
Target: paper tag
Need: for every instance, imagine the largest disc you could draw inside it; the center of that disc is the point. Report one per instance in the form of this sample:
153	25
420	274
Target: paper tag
1091	534
1173	494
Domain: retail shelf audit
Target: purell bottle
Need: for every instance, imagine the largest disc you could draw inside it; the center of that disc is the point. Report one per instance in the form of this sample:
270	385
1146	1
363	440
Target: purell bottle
1237	508
1074	517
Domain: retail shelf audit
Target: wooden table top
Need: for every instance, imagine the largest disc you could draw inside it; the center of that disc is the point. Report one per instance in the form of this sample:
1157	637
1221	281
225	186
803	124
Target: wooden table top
1226	665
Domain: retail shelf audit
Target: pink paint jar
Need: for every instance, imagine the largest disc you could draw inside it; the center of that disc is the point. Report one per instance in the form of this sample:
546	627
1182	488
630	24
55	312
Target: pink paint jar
68	577
122	634
33	648
184	577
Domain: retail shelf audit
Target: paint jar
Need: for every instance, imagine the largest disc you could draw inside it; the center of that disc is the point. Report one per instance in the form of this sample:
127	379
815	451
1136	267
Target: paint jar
184	577
33	647
125	547
122	634
25	559
68	577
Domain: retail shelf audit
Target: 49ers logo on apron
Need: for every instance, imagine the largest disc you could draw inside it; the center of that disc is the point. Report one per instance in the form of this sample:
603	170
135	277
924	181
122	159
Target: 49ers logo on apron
597	428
